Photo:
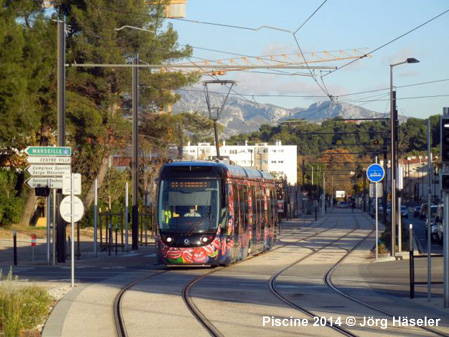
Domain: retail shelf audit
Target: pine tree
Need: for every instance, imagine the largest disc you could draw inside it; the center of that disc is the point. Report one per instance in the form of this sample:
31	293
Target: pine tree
95	94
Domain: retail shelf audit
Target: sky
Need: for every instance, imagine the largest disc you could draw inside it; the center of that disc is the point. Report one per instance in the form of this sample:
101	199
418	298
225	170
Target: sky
388	30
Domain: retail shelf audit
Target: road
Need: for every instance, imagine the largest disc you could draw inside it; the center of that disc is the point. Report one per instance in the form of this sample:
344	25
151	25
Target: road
419	230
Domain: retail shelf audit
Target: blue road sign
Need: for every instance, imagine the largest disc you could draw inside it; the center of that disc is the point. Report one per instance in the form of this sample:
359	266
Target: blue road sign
375	173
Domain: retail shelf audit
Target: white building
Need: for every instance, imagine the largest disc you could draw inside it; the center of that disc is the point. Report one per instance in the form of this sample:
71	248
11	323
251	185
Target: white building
281	160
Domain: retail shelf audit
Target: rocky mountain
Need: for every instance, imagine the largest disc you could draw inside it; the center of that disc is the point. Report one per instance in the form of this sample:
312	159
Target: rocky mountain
244	116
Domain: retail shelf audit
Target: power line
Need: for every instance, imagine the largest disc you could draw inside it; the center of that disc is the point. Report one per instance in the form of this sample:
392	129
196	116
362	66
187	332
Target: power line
310	16
231	26
389	42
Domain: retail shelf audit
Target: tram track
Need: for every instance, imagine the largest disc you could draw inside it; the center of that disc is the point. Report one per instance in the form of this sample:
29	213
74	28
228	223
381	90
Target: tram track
196	312
186	291
330	284
120	326
119	321
277	293
199	315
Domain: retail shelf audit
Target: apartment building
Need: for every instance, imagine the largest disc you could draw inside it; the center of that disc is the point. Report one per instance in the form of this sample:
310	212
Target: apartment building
280	160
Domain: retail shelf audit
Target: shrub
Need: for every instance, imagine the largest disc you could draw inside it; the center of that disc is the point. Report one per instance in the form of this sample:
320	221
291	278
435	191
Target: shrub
22	307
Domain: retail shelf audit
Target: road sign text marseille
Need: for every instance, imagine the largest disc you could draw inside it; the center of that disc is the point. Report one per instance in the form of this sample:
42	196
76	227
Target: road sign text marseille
48	151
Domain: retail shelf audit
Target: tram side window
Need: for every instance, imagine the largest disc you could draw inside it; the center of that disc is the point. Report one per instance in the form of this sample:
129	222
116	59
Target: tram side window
254	203
273	207
262	211
236	208
269	209
260	206
244	205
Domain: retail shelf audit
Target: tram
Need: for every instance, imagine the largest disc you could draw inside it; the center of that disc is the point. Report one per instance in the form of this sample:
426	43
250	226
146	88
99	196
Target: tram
212	213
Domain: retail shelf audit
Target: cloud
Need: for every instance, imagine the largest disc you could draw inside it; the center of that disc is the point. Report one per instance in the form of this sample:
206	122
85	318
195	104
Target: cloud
278	49
408	74
400	56
260	84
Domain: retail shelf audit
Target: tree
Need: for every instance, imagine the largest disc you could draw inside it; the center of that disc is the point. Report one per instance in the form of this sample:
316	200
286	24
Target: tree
26	96
96	95
338	168
26	74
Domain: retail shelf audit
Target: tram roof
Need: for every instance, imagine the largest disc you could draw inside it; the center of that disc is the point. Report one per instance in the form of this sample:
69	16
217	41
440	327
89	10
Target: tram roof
234	170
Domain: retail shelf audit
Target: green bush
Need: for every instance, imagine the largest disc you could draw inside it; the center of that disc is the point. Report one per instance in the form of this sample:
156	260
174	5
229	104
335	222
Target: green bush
22	307
11	205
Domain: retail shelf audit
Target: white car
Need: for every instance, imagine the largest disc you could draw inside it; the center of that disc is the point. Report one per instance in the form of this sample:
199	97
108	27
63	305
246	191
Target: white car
433	232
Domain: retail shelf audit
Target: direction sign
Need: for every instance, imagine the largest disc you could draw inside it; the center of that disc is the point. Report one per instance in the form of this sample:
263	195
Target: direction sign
375	173
49	170
49	160
51	182
59	151
66	209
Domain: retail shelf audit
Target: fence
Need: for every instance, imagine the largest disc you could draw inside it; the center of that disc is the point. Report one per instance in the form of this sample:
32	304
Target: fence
412	258
112	229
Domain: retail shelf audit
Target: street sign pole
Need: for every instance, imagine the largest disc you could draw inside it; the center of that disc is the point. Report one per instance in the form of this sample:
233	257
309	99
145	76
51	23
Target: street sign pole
377	221
375	173
72	241
48	227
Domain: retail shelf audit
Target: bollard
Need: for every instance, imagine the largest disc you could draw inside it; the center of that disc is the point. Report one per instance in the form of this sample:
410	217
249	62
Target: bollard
69	243
116	241
33	244
15	247
412	263
110	238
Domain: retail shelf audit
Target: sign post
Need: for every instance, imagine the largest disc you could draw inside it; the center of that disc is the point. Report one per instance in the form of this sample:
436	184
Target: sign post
72	210
48	165
375	173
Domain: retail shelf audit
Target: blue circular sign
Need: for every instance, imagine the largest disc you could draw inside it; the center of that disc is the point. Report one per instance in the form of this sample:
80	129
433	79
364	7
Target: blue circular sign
375	173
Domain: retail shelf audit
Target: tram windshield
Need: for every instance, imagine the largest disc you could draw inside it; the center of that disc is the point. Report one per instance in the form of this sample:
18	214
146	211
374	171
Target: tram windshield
188	206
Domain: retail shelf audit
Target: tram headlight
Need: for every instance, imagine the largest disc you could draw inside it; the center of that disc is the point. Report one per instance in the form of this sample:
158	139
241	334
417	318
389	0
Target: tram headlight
169	240
206	239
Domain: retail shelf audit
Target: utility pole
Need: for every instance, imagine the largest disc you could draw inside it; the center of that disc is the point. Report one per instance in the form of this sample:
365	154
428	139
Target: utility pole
393	148
444	128
135	152
61	225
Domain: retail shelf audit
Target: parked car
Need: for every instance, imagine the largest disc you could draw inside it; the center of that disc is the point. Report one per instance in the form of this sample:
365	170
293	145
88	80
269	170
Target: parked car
433	232
434	220
404	211
439	223
417	212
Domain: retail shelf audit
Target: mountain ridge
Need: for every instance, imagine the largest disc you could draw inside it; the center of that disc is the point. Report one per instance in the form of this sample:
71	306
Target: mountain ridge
244	116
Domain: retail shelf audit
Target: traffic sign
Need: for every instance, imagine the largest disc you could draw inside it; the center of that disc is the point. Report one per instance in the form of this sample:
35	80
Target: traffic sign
375	173
49	170
70	186
49	160
376	189
59	151
52	182
66	209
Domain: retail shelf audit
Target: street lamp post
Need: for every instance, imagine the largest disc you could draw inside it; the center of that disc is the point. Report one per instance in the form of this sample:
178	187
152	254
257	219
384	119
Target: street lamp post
393	145
215	111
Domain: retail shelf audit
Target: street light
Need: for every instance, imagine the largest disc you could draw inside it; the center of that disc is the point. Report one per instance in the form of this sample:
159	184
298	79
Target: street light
135	147
393	145
215	111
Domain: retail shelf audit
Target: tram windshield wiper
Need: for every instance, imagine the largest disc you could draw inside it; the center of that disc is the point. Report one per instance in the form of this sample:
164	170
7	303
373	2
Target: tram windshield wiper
194	226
